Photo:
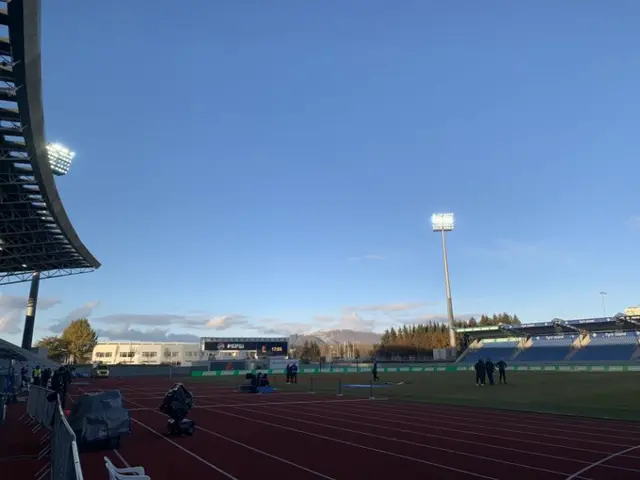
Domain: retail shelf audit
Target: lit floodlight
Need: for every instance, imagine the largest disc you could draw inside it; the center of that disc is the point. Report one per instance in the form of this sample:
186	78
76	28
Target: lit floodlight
60	158
442	222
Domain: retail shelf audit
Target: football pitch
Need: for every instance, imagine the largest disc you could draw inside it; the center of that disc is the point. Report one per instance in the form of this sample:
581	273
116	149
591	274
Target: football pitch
614	395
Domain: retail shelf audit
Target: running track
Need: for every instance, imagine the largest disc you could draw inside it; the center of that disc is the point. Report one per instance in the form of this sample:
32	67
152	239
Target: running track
305	436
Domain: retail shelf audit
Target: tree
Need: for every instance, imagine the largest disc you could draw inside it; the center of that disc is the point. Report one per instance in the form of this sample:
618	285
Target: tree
420	340
57	348
80	339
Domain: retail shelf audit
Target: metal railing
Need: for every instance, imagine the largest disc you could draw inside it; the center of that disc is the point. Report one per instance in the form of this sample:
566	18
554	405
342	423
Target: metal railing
64	460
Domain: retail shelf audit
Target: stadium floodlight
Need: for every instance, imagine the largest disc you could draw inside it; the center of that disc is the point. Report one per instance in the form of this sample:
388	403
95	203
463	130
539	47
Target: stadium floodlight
604	303
60	158
444	222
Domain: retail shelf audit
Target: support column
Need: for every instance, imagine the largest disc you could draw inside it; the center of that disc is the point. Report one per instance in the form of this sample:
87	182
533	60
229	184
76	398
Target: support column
30	318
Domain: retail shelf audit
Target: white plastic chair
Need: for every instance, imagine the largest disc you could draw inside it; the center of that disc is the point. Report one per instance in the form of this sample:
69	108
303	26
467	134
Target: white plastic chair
125	473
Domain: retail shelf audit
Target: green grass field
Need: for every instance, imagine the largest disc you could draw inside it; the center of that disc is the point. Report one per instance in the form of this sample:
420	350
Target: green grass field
592	394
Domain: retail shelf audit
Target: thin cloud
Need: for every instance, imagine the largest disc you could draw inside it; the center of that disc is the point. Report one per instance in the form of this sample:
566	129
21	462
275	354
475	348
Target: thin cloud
281	328
386	307
84	311
224	322
12	311
128	334
371	257
507	249
634	222
435	317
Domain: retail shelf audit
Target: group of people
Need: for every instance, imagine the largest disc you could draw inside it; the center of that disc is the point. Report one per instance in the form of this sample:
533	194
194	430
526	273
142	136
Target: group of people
39	376
292	373
57	380
486	368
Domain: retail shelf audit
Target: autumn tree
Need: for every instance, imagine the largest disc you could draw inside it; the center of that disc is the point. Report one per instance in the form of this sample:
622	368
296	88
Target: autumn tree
57	348
422	339
80	339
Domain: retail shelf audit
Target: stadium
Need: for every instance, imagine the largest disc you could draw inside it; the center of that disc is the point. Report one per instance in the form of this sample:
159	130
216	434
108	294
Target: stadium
568	411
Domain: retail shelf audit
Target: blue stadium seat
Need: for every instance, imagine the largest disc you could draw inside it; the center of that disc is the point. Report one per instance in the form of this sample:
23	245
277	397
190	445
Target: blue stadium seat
495	351
553	348
608	347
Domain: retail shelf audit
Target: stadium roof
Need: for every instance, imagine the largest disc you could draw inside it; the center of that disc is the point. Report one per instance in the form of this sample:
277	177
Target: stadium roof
35	232
555	327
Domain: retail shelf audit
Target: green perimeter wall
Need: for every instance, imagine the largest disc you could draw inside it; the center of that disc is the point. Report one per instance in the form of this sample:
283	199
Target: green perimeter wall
448	368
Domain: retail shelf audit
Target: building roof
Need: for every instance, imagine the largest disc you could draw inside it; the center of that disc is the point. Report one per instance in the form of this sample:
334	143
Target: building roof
35	231
555	327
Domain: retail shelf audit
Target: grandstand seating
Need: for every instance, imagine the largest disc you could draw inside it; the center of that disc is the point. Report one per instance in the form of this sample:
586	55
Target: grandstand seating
553	348
608	347
494	350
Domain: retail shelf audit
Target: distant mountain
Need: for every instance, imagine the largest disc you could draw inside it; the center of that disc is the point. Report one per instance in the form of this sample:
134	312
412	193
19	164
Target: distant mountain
335	337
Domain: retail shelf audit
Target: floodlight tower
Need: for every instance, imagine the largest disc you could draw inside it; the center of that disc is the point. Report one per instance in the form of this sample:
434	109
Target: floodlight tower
444	222
60	158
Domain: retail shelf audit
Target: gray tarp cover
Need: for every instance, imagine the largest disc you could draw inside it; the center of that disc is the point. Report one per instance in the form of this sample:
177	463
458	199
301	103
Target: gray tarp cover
99	416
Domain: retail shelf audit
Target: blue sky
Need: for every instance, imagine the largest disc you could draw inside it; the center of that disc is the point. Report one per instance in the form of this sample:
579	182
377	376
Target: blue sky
269	167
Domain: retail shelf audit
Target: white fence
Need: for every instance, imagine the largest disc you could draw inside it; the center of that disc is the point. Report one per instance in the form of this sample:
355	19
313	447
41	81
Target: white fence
64	461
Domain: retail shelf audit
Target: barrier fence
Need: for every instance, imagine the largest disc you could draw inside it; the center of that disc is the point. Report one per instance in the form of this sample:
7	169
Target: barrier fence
447	368
64	460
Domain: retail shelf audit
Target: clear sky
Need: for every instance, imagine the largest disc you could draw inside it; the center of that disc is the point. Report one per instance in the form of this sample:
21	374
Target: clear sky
269	167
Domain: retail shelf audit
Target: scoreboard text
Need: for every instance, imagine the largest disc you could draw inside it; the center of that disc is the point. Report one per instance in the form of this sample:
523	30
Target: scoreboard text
274	348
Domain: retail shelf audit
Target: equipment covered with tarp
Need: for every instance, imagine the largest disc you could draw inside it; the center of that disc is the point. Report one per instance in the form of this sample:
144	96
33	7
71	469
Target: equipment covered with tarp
176	405
100	419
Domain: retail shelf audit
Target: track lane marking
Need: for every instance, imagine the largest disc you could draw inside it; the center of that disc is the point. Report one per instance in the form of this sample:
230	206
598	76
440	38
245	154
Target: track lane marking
579	473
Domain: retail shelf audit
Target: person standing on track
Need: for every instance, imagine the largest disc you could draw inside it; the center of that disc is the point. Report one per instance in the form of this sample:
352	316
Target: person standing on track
502	369
294	373
374	371
480	372
490	368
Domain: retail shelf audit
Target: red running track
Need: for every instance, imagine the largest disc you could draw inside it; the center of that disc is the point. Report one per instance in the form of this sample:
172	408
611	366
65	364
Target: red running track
304	436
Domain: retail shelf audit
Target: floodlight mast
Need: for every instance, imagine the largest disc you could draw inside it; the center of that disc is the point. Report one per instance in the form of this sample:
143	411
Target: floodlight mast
444	222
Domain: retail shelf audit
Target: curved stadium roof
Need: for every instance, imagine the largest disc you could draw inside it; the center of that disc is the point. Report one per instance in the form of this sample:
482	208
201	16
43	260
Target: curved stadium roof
35	232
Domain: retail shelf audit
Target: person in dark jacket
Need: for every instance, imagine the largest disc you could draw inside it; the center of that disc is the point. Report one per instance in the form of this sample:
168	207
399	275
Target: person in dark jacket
57	385
502	369
288	373
490	368
46	375
374	371
480	372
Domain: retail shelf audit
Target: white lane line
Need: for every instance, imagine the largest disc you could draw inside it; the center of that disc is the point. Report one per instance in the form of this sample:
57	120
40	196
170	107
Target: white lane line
364	447
321	475
254	404
384	414
119	455
448	420
405	442
530	419
253	449
599	462
177	445
423	434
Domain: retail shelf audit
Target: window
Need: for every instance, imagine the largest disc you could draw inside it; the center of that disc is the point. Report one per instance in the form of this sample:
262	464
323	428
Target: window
149	354
127	354
107	354
175	354
99	354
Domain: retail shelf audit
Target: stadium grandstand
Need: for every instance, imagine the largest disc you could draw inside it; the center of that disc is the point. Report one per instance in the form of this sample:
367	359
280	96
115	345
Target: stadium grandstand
604	339
37	240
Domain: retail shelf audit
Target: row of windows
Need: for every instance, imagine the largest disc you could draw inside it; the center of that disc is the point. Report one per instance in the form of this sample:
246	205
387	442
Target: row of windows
144	354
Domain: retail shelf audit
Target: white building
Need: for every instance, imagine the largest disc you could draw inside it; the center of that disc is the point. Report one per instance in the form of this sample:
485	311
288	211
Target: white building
147	353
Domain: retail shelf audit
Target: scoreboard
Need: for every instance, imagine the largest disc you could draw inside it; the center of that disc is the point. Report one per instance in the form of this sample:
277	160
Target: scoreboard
265	346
